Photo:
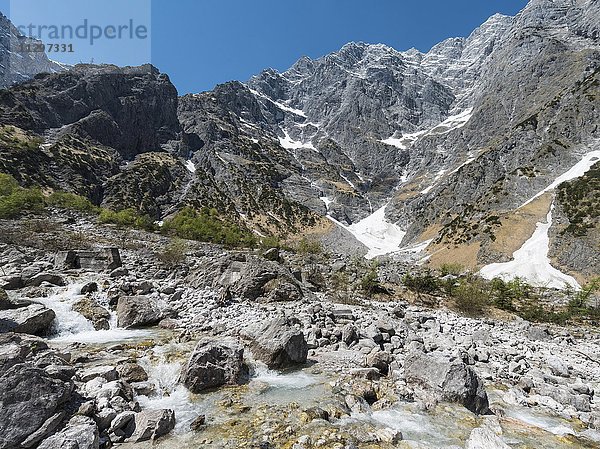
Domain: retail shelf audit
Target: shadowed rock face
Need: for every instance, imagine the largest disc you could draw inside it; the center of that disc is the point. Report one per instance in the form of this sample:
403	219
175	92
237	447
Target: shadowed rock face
214	364
133	110
22	412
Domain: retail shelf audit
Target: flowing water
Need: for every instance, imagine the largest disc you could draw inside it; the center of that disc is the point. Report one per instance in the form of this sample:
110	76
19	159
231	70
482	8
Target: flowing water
272	399
71	327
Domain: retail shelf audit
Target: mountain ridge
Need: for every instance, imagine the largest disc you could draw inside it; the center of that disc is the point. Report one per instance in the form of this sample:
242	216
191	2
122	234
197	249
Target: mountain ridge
449	143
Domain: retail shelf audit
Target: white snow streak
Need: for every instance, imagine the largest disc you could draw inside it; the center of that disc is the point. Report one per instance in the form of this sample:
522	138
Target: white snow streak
281	106
376	233
290	144
190	166
531	262
327	201
451	123
404	142
578	170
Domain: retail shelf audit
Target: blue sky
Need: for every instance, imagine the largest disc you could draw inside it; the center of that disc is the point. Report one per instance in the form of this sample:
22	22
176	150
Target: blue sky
201	43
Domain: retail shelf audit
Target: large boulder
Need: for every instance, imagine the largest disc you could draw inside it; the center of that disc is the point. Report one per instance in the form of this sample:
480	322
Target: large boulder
29	398
50	278
137	311
278	344
214	364
17	348
34	319
81	433
252	278
94	312
453	382
6	303
152	424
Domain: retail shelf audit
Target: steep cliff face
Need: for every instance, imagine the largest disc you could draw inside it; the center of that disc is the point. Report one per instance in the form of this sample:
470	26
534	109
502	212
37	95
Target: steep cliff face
81	128
535	116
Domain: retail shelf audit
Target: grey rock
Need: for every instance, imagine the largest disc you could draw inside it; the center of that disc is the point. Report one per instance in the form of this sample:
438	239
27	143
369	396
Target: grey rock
214	364
132	372
49	426
18	348
34	319
51	278
94	312
119	272
152	424
380	360
90	287
108	373
23	413
81	433
11	282
137	311
454	382
278	344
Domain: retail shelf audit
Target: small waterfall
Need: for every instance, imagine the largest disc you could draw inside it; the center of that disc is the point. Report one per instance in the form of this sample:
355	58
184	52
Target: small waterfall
67	322
164	373
71	327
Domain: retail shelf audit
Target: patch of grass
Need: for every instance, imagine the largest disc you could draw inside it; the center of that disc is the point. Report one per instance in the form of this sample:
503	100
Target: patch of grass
127	218
207	226
454	269
71	201
308	246
16	200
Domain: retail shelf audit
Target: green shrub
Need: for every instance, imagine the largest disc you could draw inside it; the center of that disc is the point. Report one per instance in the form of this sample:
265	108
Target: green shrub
426	283
8	184
370	282
19	200
270	242
454	269
206	226
535	312
174	253
71	201
471	296
126	218
579	304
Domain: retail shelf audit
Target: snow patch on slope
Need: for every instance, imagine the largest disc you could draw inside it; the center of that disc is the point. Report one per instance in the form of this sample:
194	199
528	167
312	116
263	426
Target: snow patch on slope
578	170
283	107
190	166
453	122
405	141
531	262
376	233
290	144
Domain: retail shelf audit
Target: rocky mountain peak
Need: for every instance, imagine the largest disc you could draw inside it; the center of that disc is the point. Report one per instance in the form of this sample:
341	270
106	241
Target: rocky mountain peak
17	64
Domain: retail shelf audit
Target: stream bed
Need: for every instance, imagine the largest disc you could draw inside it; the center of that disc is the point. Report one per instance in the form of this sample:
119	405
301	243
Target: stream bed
267	411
